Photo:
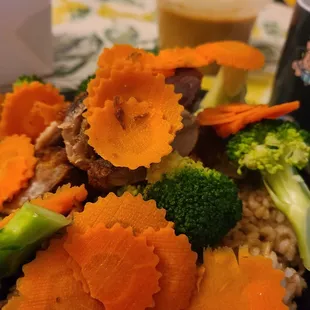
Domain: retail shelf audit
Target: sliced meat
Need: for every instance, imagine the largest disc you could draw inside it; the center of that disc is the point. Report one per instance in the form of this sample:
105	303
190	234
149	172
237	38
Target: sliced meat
79	153
187	82
103	176
187	137
52	170
51	136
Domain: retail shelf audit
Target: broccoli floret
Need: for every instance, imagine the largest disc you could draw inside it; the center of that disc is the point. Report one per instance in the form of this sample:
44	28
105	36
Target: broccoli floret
167	164
203	203
278	149
27	79
24	233
83	86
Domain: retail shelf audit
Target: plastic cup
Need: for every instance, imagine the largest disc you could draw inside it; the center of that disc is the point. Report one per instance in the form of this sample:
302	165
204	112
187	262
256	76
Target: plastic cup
193	22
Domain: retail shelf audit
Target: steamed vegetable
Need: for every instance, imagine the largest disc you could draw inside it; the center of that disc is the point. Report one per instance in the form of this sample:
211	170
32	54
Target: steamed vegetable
203	203
177	265
83	86
228	119
24	233
247	283
27	79
278	150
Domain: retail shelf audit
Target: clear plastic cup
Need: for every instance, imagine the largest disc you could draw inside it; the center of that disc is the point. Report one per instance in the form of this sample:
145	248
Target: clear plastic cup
193	22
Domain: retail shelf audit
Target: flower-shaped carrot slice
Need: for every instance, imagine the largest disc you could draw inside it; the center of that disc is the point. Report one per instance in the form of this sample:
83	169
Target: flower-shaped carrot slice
138	117
132	82
132	135
48	283
127	210
251	284
17	162
119	268
63	200
30	109
220	287
234	54
263	289
124	55
177	264
236	59
77	273
181	58
110	56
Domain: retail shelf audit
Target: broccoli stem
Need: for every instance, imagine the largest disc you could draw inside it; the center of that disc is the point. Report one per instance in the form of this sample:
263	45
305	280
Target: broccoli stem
292	196
229	86
21	236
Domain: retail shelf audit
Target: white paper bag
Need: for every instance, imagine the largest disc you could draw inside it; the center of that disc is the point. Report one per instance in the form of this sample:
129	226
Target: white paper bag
25	39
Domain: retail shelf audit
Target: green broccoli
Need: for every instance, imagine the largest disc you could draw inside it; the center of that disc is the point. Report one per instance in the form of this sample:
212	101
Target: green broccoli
83	86
24	233
27	79
278	149
203	203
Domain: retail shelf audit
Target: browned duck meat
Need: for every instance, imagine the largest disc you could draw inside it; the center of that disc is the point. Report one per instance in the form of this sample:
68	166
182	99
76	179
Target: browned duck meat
51	136
52	170
186	81
102	175
79	152
187	137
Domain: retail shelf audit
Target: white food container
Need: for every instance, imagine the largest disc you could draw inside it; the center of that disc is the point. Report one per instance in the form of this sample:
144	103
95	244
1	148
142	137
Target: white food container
25	39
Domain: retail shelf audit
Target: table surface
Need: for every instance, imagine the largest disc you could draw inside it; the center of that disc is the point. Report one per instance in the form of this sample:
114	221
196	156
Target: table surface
83	28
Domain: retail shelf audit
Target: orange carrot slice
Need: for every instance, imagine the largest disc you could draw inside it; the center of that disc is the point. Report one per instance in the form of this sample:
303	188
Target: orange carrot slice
181	58
120	269
132	107
233	108
17	163
77	273
30	109
227	122
123	52
63	200
263	289
251	284
177	264
214	118
127	210
220	290
2	96
234	54
140	126
282	109
217	115
126	55
49	284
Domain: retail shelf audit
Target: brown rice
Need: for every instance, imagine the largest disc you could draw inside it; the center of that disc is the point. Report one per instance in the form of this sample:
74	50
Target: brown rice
267	231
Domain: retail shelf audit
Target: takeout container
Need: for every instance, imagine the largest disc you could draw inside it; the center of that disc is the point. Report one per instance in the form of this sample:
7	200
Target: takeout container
25	39
190	23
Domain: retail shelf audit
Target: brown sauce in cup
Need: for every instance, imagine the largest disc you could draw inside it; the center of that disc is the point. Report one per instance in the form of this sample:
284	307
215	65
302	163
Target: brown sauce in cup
180	29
